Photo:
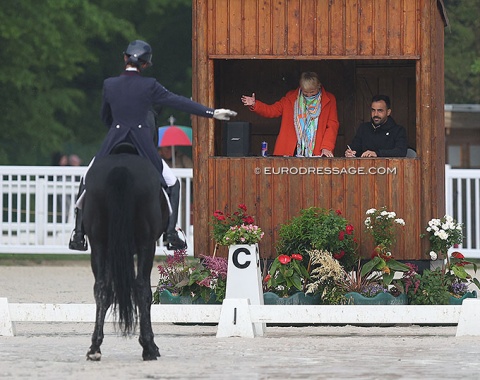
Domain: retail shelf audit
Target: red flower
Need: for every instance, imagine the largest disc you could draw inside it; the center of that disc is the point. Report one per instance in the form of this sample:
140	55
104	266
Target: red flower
341	235
349	229
267	278
248	220
297	256
458	255
242	207
219	215
338	212
339	255
284	259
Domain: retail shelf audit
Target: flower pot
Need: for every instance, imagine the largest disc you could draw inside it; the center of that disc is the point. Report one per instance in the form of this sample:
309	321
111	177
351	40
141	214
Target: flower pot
354	298
458	300
166	297
298	298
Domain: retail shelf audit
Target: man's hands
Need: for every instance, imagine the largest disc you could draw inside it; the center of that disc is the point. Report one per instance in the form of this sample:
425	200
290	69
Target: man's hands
223	114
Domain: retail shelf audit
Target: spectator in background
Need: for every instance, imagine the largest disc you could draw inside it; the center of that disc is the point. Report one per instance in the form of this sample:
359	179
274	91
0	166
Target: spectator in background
74	160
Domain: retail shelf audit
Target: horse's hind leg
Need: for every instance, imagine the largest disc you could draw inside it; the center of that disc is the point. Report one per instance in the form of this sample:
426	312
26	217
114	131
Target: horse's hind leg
103	298
143	294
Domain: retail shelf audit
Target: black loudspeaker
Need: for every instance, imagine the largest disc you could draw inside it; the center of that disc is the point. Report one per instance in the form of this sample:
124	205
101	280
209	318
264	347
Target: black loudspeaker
236	138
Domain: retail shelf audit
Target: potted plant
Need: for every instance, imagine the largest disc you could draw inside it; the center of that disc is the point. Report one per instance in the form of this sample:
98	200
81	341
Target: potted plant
364	285
442	286
285	283
319	229
190	280
382	225
236	228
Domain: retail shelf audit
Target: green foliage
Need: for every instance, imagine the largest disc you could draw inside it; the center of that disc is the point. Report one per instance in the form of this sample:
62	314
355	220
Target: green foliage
287	274
385	264
57	53
243	234
432	289
462	52
192	277
320	229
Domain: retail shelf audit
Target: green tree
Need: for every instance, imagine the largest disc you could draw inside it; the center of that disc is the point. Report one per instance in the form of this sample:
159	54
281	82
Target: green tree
462	52
56	54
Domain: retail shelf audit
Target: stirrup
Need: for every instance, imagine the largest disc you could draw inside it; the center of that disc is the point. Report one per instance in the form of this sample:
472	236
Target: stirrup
78	242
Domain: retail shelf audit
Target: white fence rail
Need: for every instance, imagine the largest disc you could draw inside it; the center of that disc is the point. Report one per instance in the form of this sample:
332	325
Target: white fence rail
462	193
37	205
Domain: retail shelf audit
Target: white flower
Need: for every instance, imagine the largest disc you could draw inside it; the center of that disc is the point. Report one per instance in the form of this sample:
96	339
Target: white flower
459	227
429	229
441	234
433	255
392	215
367	221
448	218
400	221
370	211
384	213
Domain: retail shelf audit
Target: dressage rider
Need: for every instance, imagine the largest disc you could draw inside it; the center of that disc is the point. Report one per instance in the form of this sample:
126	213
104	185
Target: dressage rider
127	100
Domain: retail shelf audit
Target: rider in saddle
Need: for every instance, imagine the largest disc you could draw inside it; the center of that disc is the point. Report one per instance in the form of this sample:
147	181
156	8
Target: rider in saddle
127	100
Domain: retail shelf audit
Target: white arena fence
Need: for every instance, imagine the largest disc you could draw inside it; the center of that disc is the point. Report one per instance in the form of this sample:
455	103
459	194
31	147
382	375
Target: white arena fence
462	193
37	205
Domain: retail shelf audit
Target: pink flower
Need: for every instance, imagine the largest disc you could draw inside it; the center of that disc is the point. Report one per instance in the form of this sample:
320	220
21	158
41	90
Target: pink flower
349	229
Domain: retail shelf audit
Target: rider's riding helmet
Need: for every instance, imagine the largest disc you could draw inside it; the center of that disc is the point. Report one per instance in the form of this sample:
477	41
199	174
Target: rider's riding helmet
139	52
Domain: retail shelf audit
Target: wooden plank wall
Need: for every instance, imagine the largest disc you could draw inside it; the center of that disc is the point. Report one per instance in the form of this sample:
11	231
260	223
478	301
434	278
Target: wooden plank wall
274	192
309	28
320	30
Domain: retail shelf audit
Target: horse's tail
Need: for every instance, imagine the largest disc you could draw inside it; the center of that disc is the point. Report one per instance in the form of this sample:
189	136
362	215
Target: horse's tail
121	246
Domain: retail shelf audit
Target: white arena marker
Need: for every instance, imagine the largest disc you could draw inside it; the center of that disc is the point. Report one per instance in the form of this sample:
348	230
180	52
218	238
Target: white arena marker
6	328
244	279
469	317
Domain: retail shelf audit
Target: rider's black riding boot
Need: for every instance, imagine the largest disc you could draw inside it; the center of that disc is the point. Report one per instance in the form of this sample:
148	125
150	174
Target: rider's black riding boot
77	240
171	235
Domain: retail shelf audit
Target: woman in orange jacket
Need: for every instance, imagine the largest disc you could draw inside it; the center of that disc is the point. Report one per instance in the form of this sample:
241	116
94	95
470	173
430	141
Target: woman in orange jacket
309	124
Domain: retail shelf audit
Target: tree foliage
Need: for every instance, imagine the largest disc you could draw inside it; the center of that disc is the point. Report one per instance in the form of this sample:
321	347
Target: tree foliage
462	52
56	54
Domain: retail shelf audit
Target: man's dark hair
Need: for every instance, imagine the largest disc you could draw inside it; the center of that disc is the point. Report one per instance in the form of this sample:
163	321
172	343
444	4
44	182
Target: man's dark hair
385	98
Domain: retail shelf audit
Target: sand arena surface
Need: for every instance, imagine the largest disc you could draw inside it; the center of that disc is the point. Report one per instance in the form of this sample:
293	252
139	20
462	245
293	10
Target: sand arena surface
57	350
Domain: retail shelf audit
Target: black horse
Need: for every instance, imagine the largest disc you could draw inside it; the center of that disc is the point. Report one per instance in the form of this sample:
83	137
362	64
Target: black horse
125	213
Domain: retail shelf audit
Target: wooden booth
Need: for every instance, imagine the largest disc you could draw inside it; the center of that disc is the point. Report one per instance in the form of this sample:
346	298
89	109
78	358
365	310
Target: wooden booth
359	48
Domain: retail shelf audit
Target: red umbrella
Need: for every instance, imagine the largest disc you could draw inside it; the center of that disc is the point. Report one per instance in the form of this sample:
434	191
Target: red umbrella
174	135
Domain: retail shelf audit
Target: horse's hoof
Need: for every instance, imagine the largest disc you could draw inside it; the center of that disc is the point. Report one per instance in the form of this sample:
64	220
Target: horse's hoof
94	356
150	357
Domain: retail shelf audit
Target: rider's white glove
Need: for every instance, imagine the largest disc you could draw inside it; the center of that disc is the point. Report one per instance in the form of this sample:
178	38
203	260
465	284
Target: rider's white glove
223	114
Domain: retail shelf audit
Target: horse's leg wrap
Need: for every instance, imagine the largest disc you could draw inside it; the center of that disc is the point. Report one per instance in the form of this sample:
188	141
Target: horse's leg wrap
171	236
78	241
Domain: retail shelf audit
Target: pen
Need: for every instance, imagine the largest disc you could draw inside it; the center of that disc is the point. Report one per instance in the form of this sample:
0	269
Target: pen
348	146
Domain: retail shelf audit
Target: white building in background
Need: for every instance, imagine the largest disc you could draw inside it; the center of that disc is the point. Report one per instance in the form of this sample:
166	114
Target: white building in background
462	135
